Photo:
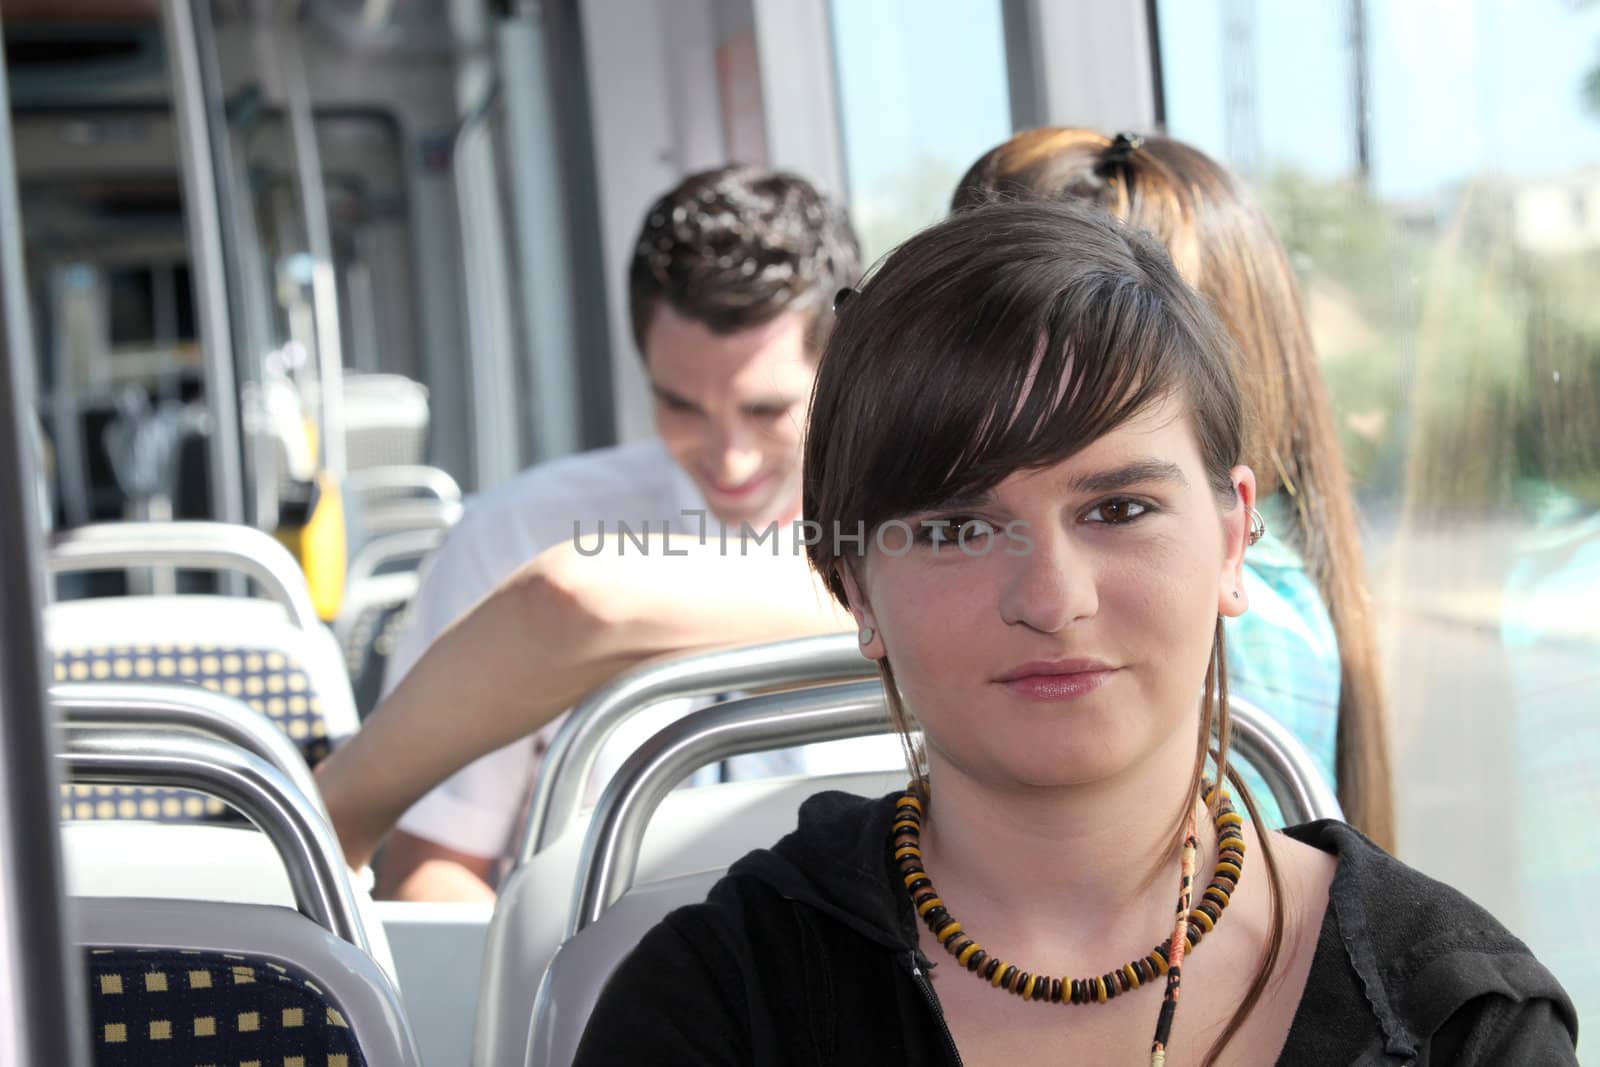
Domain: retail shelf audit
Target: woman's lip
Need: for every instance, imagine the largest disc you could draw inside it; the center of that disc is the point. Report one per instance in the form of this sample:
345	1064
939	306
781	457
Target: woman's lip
1058	687
1052	667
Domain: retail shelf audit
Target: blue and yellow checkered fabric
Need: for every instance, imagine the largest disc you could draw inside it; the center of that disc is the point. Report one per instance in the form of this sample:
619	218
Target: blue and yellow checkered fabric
265	679
184	1008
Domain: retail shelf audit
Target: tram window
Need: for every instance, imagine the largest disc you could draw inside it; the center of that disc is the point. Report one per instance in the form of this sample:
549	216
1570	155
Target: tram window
1430	167
910	129
363	163
149	303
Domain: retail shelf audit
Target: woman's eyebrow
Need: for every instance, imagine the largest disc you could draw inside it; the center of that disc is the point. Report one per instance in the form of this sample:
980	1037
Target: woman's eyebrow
962	502
1139	472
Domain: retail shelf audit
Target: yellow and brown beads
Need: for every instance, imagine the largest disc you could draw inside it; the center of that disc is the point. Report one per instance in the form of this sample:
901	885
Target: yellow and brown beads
907	837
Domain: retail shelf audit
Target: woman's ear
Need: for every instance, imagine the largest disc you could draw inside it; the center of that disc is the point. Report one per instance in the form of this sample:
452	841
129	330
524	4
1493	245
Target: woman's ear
872	645
1232	598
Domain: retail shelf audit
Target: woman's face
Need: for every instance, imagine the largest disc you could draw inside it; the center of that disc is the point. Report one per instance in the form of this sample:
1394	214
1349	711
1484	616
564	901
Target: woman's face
1069	637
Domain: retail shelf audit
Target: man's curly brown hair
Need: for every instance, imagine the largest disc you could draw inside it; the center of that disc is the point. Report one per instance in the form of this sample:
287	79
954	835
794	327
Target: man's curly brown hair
736	247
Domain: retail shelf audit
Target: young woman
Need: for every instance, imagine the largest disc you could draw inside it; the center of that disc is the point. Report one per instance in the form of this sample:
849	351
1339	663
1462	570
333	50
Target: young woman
1307	651
1036	423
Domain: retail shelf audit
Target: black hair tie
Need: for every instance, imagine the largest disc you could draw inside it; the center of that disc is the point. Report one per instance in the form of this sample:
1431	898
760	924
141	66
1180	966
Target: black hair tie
1118	153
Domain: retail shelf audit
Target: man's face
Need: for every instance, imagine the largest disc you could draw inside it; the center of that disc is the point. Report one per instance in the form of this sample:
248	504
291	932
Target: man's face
731	409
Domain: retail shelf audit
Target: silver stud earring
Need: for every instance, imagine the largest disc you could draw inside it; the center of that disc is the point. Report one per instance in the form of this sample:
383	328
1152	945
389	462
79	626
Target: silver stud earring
867	634
1236	594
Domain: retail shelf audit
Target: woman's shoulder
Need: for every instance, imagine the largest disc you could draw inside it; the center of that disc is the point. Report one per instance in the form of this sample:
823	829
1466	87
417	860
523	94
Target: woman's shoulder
1433	963
1398	902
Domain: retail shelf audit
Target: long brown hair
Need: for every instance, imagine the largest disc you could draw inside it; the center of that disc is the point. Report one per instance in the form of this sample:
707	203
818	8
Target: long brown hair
1008	338
1223	244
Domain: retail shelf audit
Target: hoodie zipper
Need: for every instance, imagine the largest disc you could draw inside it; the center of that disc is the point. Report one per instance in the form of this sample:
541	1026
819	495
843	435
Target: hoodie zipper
920	976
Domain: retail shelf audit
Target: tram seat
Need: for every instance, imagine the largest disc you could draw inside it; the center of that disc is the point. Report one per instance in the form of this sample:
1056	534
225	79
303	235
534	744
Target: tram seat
376	485
694	830
384	577
701	827
373	616
203	981
385	421
386	501
578	972
616	907
175	982
276	658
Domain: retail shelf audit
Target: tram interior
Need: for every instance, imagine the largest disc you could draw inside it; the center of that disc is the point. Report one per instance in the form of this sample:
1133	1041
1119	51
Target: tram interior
315	273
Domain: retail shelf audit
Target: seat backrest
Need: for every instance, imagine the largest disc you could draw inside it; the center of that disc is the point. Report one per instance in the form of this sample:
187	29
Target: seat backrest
568	765
374	485
184	708
579	971
213	546
694	830
368	627
402	551
191	982
245	649
385	420
295	847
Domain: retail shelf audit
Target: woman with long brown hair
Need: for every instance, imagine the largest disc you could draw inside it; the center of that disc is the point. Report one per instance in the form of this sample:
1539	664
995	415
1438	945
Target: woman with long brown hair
1024	458
1307	651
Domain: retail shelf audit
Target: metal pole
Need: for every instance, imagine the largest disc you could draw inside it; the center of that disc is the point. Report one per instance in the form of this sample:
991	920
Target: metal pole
42	1016
242	273
206	259
547	291
324	284
1361	76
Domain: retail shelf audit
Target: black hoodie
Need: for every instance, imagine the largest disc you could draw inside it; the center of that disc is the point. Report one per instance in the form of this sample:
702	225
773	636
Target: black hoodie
805	954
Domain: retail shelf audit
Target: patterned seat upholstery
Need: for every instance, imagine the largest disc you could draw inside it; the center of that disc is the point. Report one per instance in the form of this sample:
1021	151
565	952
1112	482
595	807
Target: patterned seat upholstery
244	649
192	983
368	645
153	1007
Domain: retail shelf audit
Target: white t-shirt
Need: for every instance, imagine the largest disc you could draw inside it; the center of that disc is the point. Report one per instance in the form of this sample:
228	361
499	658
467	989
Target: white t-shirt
476	810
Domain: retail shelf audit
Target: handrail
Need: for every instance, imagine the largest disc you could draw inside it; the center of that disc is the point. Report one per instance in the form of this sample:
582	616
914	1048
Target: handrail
194	545
311	856
411	513
420	479
577	745
1284	764
824	713
191	709
610	856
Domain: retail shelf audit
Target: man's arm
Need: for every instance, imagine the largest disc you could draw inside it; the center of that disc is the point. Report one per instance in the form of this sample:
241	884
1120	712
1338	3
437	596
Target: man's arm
558	628
414	868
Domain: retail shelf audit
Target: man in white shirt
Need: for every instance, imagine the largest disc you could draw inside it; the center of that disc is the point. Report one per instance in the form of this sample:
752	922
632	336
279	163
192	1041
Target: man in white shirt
730	294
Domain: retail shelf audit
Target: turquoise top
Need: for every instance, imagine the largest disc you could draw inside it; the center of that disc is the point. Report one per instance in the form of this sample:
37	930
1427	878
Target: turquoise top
1282	653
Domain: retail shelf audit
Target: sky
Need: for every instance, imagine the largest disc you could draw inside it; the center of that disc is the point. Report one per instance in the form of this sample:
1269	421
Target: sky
1457	88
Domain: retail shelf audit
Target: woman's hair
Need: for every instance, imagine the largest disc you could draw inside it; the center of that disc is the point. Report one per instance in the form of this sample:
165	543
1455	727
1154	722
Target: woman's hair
735	247
1008	338
1224	246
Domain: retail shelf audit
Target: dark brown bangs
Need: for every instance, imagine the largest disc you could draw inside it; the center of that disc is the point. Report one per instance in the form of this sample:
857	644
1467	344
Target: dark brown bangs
1005	338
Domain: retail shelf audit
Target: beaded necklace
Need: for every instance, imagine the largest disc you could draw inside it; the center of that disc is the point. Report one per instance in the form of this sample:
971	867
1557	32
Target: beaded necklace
1191	924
